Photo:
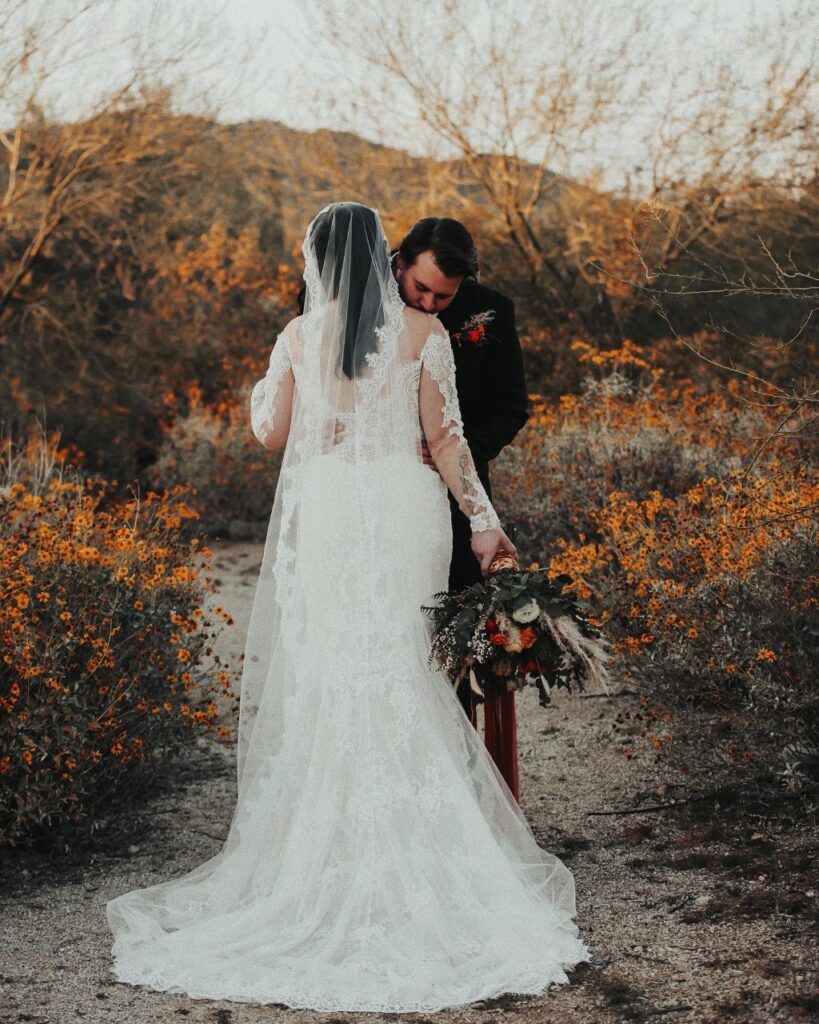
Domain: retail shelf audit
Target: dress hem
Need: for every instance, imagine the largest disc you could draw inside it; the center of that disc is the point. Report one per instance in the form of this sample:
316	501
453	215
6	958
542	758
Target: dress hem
531	984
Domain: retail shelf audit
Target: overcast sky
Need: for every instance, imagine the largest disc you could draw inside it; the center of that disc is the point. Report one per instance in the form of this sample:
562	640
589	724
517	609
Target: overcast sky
253	57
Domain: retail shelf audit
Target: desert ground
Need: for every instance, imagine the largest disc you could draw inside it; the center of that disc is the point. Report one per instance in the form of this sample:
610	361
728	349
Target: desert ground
685	925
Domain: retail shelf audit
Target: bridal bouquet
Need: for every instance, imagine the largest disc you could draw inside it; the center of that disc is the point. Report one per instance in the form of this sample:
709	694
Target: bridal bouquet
517	627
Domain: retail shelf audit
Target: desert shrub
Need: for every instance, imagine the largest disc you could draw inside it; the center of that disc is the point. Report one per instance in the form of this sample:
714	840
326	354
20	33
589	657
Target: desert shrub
628	430
213	450
554	483
161	270
702	571
694	590
742	647
102	629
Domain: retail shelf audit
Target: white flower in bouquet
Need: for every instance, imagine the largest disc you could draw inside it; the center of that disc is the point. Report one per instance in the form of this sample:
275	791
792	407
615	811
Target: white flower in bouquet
527	612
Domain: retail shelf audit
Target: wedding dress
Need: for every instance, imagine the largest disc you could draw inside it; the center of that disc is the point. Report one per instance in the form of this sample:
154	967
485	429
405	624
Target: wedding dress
376	859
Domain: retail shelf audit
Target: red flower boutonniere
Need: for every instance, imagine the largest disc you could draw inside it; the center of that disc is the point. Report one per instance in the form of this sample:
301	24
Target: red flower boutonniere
474	334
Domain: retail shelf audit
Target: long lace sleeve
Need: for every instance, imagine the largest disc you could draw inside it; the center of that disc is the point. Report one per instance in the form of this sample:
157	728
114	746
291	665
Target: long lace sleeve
443	428
271	400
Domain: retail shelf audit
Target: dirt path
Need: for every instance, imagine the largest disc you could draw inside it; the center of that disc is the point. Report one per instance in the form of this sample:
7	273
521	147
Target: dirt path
684	927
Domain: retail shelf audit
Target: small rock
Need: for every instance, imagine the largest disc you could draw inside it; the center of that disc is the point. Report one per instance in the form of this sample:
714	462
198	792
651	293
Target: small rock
134	848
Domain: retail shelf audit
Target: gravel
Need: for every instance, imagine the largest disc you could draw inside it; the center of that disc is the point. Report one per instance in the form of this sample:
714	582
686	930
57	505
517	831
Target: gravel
686	925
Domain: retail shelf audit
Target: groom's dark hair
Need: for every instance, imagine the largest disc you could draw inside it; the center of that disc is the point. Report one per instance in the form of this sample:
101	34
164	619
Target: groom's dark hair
451	245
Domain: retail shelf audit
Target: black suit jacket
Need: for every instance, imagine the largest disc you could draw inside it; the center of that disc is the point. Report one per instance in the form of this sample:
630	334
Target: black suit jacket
489	377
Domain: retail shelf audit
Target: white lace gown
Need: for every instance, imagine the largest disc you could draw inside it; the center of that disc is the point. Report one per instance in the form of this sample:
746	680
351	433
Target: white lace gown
376	860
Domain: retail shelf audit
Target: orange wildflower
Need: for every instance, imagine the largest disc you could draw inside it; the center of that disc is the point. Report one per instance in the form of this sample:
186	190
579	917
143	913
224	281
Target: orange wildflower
528	636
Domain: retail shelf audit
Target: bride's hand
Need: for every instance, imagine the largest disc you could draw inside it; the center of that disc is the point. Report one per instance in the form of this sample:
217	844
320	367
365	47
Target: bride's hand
487	543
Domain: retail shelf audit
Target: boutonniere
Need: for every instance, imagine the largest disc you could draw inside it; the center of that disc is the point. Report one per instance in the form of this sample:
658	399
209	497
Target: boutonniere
474	334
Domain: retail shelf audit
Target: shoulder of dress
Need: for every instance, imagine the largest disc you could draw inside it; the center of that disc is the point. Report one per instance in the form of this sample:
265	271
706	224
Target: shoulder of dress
425	329
288	338
416	317
292	324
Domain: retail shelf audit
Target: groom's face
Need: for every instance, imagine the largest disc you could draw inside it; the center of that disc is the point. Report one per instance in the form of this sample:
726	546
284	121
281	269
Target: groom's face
423	285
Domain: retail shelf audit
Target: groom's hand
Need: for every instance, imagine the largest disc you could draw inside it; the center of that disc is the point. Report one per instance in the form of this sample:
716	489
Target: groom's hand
332	433
426	457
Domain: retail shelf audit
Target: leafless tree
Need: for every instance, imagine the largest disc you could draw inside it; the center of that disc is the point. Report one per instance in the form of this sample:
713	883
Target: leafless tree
61	167
515	99
511	101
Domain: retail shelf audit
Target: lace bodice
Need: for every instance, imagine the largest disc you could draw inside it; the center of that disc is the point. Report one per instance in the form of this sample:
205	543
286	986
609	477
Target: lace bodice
429	396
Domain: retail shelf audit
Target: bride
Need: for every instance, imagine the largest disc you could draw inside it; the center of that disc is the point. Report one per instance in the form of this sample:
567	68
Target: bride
376	859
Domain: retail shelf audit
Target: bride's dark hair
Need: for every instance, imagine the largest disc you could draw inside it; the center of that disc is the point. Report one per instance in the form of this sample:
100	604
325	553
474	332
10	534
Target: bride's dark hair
335	228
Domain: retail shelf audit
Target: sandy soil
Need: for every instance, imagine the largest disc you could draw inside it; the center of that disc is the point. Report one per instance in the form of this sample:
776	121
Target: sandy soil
685	926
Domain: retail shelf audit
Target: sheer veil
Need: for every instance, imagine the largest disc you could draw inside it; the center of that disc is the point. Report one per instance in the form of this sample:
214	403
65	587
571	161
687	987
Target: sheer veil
350	410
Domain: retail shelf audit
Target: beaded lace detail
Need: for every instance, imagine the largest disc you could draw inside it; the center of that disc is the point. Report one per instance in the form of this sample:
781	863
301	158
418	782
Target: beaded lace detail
263	395
452	455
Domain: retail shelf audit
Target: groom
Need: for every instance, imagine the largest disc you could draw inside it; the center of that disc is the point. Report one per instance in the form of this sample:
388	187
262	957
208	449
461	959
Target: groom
436	267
